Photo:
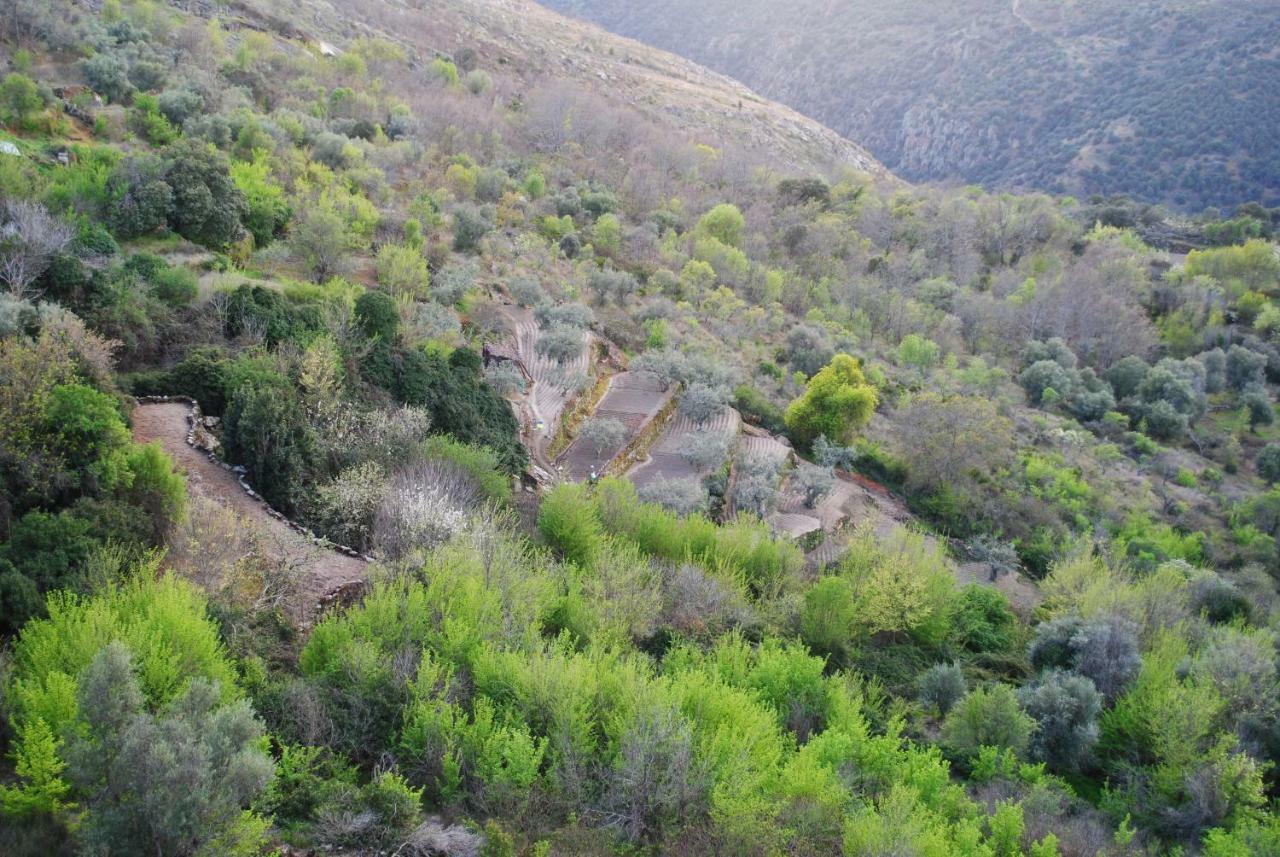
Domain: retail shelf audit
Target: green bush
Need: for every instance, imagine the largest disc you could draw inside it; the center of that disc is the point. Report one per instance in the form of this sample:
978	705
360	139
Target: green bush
377	316
942	686
828	619
175	287
460	403
208	208
267	211
982	621
987	717
568	522
19	99
45	552
1268	463
163	657
266	430
757	409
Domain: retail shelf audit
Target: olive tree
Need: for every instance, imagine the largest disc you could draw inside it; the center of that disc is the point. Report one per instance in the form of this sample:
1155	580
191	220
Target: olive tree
942	686
705	450
561	343
602	433
1065	708
701	402
816	482
177	781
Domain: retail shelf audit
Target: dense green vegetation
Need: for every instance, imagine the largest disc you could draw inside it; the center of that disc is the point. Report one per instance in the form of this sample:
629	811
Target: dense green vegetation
1167	101
1068	650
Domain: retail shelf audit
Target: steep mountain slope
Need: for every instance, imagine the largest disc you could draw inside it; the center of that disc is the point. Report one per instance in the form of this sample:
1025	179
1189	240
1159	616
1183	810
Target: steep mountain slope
1169	100
535	45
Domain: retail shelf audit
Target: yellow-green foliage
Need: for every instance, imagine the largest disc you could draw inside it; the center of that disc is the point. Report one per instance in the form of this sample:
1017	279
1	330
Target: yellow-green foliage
742	551
1252	266
837	401
546	713
402	270
724	223
899	584
161	620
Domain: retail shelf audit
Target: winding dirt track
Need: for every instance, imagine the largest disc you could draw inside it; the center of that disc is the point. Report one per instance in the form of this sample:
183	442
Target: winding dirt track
323	570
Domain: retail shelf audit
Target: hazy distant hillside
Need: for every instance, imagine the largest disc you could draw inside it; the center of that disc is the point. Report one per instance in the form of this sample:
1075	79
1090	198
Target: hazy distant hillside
1169	100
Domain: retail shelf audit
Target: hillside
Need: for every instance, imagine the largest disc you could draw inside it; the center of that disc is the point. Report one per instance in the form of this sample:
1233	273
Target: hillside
1170	101
534	46
588	466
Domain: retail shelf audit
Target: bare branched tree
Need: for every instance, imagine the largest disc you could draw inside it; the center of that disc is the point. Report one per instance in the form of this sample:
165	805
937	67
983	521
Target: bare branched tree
29	238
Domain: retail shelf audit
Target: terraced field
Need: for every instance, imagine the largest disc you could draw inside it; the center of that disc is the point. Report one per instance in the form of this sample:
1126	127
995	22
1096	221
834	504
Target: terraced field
666	459
553	388
765	446
633	399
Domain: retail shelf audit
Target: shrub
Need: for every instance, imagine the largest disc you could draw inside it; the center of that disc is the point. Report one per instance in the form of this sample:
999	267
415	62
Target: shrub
1091	406
19	99
982	621
1268	463
266	430
267	212
335	151
402	269
828	618
987	717
343	508
108	75
724	223
44	552
568	522
942	686
175	287
139	198
1065	708
757	409
1046	375
481	463
460	403
836	401
424	506
1103	649
470	225
162	622
177	779
1163	421
179	105
377	316
808	349
902	584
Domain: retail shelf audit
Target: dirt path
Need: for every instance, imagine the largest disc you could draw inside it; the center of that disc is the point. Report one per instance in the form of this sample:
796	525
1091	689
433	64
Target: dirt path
323	570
